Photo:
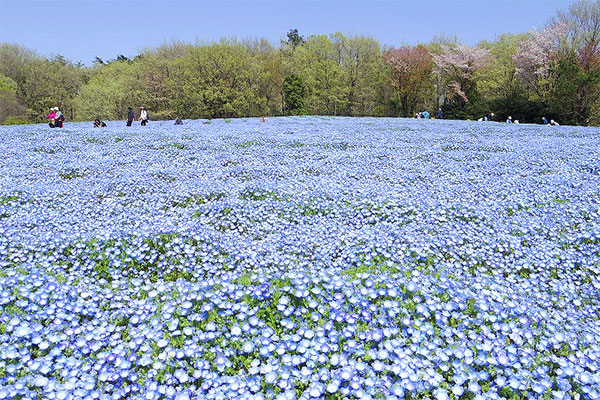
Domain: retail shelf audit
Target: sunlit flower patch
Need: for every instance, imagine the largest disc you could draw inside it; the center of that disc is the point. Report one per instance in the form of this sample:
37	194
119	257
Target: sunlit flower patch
300	258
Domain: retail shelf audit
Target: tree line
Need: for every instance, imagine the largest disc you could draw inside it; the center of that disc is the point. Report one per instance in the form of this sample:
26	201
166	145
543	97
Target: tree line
552	72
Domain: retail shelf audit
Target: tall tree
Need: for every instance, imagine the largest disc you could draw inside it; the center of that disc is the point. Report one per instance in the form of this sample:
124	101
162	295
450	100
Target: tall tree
9	104
411	73
216	81
534	56
294	90
582	20
110	91
361	59
498	82
458	65
318	63
294	38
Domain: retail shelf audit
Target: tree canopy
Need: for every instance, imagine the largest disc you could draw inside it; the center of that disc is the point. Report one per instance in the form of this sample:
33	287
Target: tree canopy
552	72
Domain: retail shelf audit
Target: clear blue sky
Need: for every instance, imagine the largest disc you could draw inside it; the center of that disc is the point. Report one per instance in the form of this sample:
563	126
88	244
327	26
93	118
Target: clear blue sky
81	30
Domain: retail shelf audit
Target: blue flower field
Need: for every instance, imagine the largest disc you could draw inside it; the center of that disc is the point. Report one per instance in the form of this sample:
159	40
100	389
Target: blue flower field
301	258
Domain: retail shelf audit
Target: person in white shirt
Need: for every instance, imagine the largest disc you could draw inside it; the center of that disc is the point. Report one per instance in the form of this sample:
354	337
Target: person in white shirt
143	115
59	118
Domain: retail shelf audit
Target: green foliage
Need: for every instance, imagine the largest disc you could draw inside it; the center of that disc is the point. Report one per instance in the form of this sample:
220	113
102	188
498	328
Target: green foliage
333	74
7	84
294	92
501	91
11	110
11	120
294	38
217	81
109	92
318	63
573	89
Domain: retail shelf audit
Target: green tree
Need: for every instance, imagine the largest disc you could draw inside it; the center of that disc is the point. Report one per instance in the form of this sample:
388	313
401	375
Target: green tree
50	83
582	45
109	92
155	69
269	70
500	88
567	101
361	62
9	104
319	63
294	38
217	80
294	92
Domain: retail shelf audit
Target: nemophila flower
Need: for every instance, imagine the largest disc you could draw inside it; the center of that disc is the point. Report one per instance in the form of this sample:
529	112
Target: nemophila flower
463	259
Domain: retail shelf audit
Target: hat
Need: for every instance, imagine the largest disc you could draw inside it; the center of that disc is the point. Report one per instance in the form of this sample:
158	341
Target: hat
129	108
55	108
142	108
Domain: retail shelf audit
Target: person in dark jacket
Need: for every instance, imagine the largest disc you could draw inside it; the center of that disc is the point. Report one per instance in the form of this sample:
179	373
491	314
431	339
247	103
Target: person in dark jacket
130	116
99	124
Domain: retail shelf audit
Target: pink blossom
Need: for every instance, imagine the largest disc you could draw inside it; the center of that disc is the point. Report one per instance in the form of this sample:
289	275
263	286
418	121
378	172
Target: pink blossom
458	65
534	54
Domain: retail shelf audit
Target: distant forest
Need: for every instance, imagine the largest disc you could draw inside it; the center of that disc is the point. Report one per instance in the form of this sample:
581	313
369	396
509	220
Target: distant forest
553	72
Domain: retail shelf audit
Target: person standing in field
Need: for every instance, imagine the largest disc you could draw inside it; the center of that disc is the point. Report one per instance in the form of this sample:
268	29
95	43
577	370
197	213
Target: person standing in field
439	114
144	116
130	116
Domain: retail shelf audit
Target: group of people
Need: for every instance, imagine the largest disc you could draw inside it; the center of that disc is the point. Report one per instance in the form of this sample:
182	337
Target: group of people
144	116
439	114
552	122
487	117
56	119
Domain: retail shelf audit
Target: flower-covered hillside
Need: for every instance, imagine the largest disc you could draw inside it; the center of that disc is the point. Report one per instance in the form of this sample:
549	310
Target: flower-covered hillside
300	258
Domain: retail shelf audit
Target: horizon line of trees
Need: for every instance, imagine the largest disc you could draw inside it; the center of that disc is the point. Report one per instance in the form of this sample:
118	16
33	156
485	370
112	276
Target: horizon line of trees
552	72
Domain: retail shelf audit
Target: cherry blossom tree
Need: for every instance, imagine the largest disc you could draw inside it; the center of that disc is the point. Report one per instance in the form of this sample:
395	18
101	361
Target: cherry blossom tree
458	66
535	55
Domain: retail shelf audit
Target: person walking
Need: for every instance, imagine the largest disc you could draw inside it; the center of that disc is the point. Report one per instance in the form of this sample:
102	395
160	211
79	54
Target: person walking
130	116
144	116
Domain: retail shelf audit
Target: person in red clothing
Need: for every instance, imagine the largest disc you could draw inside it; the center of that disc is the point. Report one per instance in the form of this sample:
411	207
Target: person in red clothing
51	117
56	118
